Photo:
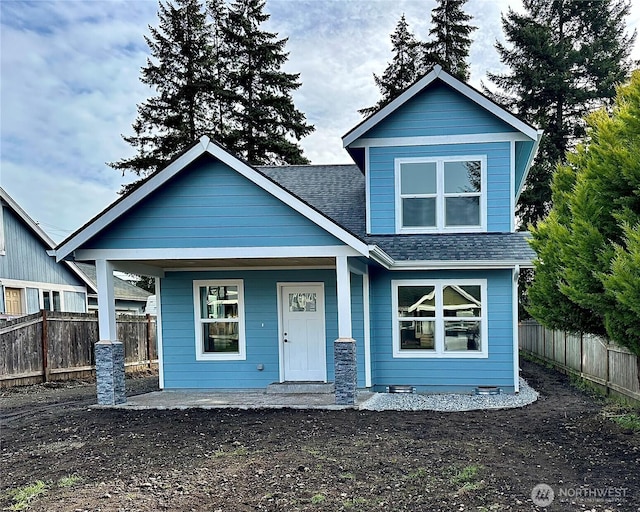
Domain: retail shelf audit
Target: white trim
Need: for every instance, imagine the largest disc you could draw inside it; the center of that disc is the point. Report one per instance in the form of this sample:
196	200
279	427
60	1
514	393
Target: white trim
230	269
381	257
467	265
343	285
2	239
512	186
204	253
201	355
155	181
516	332
160	348
433	140
367	189
532	156
464	89
18	283
367	330
60	293
279	286
440	195
107	329
439	319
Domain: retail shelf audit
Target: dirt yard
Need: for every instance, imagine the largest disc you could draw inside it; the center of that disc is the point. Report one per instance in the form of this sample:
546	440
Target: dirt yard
288	460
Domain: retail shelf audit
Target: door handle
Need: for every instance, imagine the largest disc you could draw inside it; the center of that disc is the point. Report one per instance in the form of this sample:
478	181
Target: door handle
285	338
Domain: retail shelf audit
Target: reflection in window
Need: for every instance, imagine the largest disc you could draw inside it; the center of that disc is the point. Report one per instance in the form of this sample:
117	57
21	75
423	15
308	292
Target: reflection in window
219	314
440	193
439	318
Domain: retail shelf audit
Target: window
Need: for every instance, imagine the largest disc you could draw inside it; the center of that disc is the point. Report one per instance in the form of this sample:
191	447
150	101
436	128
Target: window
51	301
439	318
219	320
440	194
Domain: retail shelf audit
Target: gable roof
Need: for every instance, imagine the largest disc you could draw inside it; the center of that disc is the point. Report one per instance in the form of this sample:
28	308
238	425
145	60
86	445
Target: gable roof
437	73
205	146
39	233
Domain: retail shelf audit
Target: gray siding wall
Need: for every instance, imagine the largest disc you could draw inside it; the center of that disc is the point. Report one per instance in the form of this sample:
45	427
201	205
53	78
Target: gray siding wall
26	258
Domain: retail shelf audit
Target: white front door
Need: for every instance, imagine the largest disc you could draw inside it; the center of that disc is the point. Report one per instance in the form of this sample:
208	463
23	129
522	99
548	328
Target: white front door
302	332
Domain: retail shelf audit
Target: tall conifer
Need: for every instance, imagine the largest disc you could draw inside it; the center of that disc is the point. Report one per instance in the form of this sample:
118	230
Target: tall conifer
181	70
450	39
265	126
565	58
402	71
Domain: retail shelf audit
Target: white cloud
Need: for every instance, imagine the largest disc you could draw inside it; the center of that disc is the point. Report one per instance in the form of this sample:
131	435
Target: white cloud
70	85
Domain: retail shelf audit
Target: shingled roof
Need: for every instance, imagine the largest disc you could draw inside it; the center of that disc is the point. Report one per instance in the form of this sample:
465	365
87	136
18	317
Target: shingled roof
338	191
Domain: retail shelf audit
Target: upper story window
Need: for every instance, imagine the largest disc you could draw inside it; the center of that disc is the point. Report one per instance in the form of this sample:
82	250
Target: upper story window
441	194
219	317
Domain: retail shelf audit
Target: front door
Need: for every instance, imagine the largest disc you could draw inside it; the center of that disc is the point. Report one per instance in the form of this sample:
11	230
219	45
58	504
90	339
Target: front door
303	339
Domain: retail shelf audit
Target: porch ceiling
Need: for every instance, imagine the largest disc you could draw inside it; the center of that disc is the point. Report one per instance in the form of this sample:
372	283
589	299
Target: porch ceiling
241	263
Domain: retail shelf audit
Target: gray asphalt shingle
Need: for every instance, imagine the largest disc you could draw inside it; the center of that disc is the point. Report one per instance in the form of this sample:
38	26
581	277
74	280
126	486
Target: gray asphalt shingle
338	191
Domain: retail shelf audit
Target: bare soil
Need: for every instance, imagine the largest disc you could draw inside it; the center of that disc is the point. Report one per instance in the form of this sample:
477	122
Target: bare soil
288	460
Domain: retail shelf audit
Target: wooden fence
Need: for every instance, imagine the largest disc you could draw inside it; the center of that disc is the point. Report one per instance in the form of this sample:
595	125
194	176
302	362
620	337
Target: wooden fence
591	357
67	341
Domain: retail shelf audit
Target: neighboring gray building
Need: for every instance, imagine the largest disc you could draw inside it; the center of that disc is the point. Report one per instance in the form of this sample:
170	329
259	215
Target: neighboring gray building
30	279
129	298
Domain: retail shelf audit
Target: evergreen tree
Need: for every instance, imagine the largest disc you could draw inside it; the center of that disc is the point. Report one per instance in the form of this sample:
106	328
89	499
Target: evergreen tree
589	247
182	71
403	69
449	39
565	58
265	126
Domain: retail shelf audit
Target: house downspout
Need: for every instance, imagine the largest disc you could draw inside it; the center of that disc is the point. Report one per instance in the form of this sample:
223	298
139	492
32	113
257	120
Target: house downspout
516	331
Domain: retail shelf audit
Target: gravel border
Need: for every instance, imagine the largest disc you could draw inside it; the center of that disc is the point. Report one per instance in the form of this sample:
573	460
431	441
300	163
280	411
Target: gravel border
449	402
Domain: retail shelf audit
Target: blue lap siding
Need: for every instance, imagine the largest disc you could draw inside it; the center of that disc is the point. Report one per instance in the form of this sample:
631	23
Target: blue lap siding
181	370
440	375
438	110
382	190
209	205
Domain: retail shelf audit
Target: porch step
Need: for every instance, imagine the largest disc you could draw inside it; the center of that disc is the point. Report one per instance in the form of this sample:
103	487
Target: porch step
307	388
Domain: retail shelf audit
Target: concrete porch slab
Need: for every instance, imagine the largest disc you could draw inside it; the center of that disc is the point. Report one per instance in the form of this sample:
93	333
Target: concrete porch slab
256	399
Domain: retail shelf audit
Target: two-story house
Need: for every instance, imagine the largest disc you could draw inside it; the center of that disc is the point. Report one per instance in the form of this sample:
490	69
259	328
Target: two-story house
408	259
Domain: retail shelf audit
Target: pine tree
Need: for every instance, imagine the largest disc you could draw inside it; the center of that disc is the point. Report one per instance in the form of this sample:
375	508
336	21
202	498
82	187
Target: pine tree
402	71
449	39
565	58
265	126
182	70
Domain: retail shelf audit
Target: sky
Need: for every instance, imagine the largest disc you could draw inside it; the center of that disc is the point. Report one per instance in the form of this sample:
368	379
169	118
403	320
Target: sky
69	86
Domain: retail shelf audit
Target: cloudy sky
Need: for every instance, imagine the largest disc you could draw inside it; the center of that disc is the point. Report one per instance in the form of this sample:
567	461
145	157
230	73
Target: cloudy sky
69	86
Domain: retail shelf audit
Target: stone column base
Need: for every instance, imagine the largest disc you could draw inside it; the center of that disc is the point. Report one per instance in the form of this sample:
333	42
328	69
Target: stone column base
345	370
110	372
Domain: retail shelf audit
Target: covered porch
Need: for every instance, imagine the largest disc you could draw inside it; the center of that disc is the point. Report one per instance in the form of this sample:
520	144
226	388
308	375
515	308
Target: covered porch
257	333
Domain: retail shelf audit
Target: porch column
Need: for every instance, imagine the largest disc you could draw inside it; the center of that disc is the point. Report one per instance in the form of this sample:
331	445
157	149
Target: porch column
109	352
345	346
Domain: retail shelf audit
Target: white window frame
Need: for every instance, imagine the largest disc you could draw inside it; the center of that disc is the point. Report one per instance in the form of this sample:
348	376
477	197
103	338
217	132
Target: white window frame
440	195
201	355
51	291
439	337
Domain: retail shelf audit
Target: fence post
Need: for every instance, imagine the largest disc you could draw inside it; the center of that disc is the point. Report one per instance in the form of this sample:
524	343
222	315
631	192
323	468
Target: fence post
149	338
45	346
